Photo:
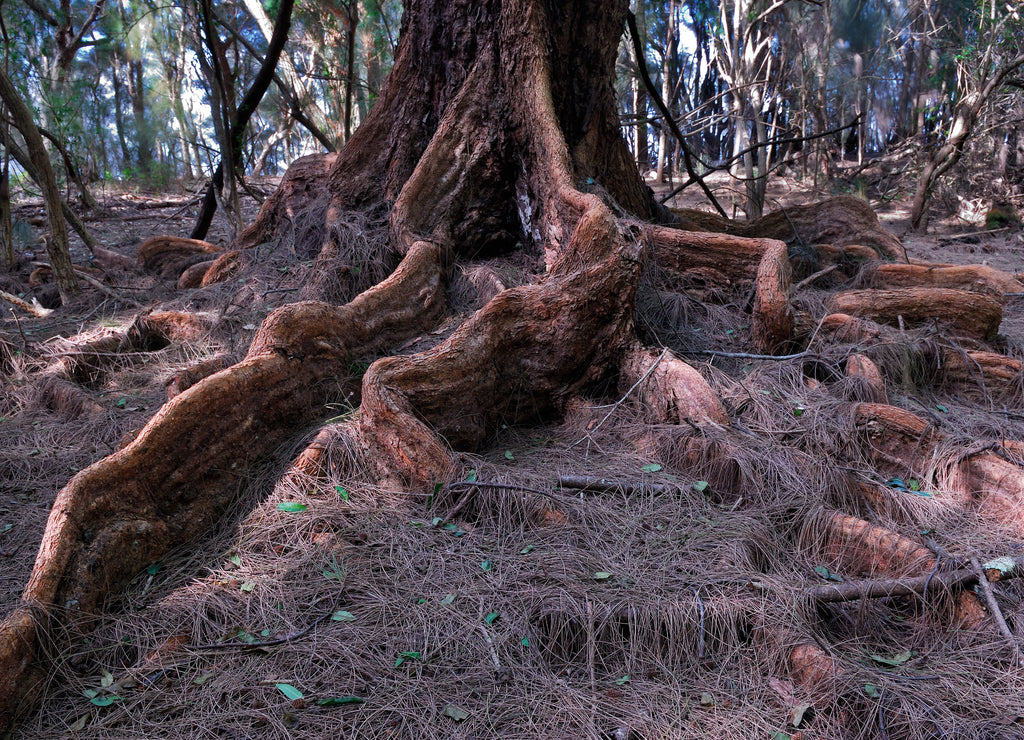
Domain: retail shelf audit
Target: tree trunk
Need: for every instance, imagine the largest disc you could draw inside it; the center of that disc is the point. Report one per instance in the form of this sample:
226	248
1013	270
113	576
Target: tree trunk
57	248
496	134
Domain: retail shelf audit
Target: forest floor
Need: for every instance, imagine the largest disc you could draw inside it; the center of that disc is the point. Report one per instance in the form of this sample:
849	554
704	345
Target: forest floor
330	608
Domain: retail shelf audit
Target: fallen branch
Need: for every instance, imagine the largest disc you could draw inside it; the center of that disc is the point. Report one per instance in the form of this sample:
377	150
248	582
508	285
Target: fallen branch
811	278
33	308
592	484
997	570
993	606
238	645
106	289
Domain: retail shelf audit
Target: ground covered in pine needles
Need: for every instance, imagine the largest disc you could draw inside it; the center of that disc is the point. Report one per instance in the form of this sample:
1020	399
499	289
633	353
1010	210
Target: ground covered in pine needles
672	599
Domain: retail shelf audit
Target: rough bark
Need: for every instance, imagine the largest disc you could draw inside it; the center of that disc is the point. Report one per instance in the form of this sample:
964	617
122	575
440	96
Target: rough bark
497	133
971	314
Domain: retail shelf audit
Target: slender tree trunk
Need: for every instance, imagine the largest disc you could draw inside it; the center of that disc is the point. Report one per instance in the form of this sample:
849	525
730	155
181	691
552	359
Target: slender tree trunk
352	20
6	226
57	248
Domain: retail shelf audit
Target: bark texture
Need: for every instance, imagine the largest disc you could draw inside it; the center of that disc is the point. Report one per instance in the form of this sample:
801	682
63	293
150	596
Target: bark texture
496	133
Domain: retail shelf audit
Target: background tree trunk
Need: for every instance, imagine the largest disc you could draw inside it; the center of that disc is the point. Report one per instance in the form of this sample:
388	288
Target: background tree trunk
57	248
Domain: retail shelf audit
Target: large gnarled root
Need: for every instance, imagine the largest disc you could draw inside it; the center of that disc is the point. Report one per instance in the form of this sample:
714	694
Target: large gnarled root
129	509
763	262
519	358
60	388
973	278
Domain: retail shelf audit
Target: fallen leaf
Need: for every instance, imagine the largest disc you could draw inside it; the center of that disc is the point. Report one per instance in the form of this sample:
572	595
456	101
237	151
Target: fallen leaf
337	701
289	691
456	713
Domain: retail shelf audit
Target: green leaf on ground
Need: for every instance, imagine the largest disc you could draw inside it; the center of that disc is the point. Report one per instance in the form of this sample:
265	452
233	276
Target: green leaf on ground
526	550
489	619
247	587
342	493
525	642
622	681
343	616
828	575
289	691
105	701
200	680
235	560
509	455
407	655
448	598
291	507
487	565
651	468
871	690
337	701
700	486
601	575
153	569
471	477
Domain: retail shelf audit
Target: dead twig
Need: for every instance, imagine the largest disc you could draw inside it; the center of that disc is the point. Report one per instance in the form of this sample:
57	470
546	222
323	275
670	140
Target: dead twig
238	645
881	588
814	276
591	484
993	606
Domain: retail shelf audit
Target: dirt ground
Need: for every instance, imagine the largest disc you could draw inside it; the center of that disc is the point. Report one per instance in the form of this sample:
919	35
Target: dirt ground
331	608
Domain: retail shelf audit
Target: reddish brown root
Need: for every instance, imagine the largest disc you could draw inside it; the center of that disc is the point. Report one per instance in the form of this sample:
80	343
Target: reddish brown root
864	549
984	374
864	369
192	277
64	397
128	509
772	321
674	391
838	221
169	256
222	268
972	314
107	259
735	257
972	278
189	376
520	358
811	667
850	258
841	327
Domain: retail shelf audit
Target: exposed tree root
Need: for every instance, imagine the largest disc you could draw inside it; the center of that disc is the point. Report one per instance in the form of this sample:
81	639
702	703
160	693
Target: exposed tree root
538	172
674	391
972	314
169	256
865	370
838	221
974	278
